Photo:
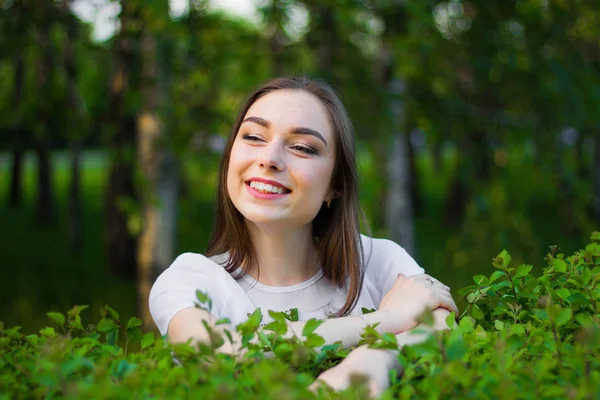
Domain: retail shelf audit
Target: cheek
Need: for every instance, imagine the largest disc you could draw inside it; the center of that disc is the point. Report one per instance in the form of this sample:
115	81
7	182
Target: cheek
318	178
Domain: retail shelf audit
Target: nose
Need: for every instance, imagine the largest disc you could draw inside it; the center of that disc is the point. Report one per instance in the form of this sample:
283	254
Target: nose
271	158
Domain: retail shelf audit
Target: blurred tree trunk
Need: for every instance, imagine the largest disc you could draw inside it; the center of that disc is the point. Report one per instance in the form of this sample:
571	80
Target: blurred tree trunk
44	214
74	215
276	17
16	178
596	176
474	165
415	192
322	37
160	179
18	133
399	217
436	155
458	192
583	171
45	68
121	196
399	208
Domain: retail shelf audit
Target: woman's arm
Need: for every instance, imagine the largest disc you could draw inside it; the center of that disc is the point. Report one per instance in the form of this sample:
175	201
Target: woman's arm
375	364
187	324
397	313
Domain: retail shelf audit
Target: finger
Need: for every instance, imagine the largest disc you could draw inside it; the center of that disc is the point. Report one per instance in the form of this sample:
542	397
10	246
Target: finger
448	304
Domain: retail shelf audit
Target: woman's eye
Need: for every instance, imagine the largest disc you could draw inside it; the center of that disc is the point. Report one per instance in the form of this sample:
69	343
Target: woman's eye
304	149
252	138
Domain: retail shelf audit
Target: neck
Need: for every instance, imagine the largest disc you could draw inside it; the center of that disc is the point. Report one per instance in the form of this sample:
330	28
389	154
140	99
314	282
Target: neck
284	256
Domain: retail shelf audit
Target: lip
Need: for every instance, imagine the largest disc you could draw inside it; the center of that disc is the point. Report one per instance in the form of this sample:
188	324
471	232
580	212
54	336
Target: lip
265	196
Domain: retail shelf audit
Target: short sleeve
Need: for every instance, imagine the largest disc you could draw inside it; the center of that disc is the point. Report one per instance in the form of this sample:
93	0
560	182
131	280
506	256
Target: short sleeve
386	259
175	289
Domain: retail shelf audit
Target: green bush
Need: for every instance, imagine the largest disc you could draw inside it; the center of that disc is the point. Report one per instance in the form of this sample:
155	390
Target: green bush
520	337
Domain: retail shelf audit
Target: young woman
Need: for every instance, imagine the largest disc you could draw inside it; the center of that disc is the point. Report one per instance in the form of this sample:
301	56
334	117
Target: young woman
287	236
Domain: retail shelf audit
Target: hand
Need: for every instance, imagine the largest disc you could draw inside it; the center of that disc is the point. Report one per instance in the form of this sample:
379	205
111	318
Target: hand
409	297
363	362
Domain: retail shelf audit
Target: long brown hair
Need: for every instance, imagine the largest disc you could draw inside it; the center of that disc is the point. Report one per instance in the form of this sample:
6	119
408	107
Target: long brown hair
336	229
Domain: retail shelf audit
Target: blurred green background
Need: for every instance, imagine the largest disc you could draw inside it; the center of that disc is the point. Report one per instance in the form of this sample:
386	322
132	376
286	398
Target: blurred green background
478	127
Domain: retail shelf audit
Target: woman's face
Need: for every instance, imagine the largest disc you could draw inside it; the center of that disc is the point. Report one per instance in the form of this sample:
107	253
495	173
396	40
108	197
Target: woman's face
282	159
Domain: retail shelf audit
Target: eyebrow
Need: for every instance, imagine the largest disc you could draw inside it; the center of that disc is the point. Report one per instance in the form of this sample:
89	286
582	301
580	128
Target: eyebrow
297	130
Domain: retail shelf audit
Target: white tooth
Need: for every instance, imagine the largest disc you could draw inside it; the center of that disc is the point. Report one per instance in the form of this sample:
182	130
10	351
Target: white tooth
268	188
279	190
253	184
261	186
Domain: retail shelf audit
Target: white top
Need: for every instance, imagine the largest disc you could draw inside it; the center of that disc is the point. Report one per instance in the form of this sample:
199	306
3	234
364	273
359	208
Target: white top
175	289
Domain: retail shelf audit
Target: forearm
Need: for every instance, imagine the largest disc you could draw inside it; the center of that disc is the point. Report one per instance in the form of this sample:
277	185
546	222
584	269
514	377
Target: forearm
346	330
388	359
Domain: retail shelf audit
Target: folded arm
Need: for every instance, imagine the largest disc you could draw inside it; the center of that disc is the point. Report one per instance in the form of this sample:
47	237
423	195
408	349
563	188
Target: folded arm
375	364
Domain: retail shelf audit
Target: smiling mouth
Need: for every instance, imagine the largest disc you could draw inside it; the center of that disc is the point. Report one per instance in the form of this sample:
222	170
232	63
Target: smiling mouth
267	188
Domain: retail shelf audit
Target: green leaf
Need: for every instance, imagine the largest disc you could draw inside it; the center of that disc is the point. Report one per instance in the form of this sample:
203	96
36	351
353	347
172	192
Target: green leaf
523	270
147	340
202	297
481	280
497	274
283	349
106	325
366	310
314	340
466	324
563	293
503	260
57	317
476	313
76	310
310	326
32	339
560	265
75	323
456	347
279	327
113	313
133	323
292	315
254	320
48	332
223	321
564	316
499	325
277	315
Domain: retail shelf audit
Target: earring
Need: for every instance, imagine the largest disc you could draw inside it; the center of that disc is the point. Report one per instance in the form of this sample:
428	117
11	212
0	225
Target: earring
328	203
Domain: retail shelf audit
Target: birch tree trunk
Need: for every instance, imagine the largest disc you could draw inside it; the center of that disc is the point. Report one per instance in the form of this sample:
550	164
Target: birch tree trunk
159	198
399	209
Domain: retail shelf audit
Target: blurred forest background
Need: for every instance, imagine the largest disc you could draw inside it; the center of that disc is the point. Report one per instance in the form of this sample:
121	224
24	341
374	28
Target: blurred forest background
478	125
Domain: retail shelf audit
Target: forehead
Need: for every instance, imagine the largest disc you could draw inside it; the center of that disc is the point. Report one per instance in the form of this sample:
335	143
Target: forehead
292	108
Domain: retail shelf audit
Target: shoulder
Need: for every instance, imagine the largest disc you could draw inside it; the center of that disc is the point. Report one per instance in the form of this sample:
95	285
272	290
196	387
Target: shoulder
189	270
175	288
195	263
385	259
